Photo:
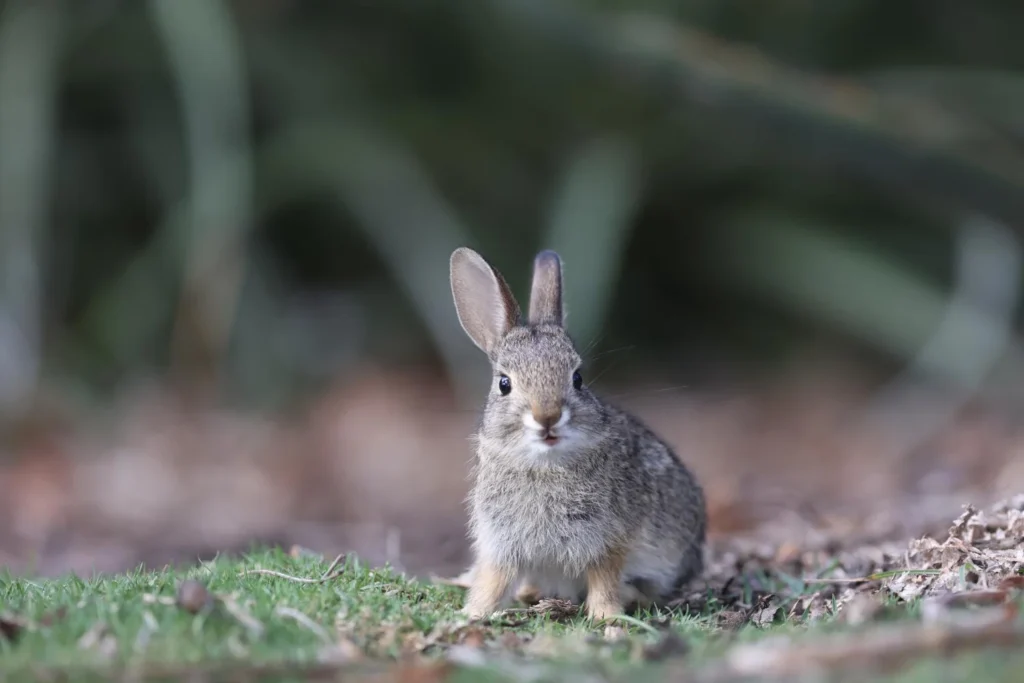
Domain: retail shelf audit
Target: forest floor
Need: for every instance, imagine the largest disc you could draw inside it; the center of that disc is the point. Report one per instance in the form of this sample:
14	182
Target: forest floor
938	608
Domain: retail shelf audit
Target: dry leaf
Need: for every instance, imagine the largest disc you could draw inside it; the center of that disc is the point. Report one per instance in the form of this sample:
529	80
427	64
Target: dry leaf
980	547
555	608
731	620
765	611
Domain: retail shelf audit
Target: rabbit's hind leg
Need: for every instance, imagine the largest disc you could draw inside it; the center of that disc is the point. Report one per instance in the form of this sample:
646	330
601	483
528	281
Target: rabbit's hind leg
528	593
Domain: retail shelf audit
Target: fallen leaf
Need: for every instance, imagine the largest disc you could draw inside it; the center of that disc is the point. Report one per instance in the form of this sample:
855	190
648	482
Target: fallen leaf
555	608
731	620
765	611
977	539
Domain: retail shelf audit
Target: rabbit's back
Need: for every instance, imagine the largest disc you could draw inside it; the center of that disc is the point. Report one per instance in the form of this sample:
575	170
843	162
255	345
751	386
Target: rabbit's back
668	551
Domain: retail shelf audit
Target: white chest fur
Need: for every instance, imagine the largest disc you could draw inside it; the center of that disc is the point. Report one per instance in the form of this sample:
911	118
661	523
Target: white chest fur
540	522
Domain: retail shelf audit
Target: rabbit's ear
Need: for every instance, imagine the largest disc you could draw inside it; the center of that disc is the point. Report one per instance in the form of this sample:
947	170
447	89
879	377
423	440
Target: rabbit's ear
486	307
546	292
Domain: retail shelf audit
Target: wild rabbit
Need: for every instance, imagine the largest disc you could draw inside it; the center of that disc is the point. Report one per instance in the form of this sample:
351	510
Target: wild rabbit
572	497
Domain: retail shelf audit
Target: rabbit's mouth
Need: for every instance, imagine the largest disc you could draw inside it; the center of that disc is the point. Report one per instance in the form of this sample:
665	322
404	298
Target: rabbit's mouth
550	434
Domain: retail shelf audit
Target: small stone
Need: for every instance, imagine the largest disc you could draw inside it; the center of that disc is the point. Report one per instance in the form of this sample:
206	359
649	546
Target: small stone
193	596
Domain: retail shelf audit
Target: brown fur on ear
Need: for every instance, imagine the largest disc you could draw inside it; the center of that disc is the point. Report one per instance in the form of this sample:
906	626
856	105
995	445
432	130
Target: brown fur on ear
546	292
485	305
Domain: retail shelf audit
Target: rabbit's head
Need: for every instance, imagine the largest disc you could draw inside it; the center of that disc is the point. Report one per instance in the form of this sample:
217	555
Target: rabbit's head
538	409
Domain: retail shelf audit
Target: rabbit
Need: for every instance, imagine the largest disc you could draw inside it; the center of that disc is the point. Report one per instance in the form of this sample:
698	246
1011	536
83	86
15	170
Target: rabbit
571	497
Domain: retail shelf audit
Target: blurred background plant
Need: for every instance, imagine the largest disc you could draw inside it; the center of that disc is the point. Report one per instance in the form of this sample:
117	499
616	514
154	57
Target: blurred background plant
251	204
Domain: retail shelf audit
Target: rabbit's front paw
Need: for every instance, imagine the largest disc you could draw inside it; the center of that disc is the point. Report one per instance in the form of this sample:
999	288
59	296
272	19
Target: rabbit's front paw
604	581
603	609
473	612
486	592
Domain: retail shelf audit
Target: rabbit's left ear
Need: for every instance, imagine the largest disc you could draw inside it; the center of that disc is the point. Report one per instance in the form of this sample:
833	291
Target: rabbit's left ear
546	292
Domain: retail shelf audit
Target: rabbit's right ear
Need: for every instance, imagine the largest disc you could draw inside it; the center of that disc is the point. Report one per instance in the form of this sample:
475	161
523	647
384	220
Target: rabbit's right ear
486	307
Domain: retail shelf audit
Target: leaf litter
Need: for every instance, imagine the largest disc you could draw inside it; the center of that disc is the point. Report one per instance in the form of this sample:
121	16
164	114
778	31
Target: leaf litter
965	587
983	551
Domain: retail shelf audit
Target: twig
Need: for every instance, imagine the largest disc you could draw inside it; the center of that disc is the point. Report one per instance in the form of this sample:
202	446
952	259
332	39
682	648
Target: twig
282	575
326	576
330	568
877	576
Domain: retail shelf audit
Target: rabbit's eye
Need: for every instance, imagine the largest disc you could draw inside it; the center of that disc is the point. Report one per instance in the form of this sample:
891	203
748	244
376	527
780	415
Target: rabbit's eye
577	380
504	385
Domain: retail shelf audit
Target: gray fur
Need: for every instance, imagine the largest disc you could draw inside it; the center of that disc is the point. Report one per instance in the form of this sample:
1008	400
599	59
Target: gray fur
546	290
546	514
486	307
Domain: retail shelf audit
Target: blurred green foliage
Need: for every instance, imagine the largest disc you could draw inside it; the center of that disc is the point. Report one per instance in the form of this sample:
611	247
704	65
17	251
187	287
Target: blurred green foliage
265	192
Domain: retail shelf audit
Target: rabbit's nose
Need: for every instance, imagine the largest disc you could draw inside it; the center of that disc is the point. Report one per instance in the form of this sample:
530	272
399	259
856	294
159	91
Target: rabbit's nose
547	416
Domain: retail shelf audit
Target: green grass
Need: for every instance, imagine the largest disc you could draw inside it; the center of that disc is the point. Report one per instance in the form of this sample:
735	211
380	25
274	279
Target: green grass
131	622
142	602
